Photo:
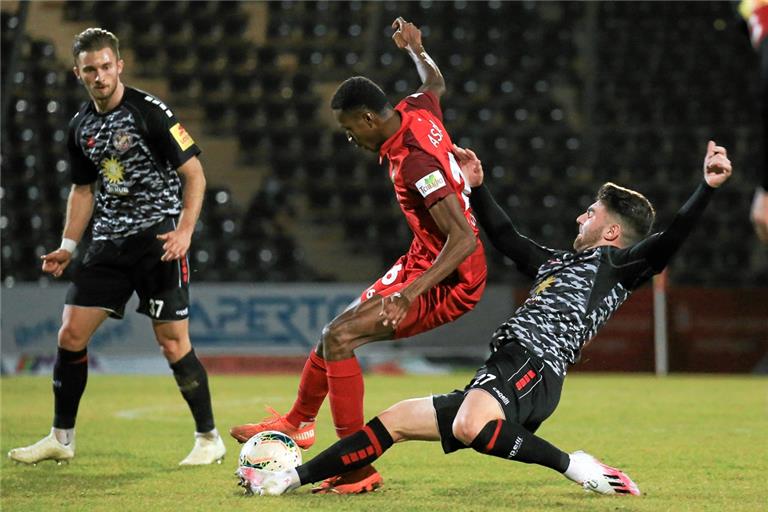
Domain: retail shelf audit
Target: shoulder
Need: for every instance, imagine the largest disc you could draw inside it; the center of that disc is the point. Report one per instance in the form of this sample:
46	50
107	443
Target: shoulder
81	114
146	103
426	100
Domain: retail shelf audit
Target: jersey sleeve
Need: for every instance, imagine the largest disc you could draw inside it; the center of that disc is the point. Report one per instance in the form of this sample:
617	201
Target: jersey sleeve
83	170
640	261
425	175
527	254
167	135
426	100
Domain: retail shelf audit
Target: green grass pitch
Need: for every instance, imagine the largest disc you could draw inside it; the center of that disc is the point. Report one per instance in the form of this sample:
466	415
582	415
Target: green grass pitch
691	443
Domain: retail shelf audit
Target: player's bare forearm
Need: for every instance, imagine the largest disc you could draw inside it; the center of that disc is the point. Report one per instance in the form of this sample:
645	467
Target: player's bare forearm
459	244
407	37
431	78
79	211
192	197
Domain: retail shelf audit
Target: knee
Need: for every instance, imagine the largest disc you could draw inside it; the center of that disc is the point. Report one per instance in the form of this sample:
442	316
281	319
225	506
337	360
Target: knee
465	429
72	338
173	348
335	339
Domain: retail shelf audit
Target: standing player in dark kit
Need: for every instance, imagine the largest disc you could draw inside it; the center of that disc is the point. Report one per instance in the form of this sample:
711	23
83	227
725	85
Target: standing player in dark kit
756	14
131	144
573	295
440	278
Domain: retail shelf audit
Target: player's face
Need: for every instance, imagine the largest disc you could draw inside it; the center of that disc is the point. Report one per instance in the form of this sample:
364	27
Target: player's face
99	71
592	225
359	128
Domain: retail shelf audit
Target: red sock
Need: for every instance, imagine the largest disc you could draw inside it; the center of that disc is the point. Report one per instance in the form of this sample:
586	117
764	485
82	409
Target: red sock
345	391
313	387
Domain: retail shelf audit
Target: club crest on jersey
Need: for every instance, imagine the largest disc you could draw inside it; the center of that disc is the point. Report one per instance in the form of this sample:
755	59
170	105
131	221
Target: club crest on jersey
121	141
431	182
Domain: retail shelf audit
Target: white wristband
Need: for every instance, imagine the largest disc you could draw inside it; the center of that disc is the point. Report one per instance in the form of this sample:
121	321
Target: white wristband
68	245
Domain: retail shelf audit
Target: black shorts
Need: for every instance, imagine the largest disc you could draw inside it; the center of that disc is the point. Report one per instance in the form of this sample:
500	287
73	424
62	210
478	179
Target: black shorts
112	270
526	388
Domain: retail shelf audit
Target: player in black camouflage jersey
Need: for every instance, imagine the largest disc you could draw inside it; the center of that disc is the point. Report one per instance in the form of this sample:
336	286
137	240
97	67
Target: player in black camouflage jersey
128	155
573	294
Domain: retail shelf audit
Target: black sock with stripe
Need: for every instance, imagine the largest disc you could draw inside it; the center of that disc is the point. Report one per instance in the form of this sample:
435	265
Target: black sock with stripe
352	452
512	441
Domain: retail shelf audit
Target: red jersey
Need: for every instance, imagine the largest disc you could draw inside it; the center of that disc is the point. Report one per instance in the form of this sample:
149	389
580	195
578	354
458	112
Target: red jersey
424	171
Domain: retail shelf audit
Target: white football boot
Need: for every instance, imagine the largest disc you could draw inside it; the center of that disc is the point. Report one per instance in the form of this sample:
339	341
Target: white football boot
597	477
207	450
48	448
267	483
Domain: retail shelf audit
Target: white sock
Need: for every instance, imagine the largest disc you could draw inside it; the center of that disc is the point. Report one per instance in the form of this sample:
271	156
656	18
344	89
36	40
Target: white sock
577	471
213	434
64	435
295	482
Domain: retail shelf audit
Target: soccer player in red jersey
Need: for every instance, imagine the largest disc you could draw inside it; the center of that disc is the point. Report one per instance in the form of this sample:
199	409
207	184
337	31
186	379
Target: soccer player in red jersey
441	277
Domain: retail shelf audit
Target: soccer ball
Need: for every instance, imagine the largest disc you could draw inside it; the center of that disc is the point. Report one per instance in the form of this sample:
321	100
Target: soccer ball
271	451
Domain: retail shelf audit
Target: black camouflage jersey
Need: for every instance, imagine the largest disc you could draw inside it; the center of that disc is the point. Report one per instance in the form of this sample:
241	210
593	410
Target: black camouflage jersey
133	152
575	293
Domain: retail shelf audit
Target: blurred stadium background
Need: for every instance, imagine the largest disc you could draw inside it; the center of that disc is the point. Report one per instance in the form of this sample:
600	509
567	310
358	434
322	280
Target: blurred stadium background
555	97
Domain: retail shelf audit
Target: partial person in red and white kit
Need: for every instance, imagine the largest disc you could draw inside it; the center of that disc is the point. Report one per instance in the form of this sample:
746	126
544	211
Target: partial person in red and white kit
136	177
441	277
756	14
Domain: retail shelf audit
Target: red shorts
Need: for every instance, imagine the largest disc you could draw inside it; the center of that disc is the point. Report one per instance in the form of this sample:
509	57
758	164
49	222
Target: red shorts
443	303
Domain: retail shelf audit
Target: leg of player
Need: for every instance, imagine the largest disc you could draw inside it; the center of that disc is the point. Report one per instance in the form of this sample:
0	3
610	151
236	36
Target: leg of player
480	424
299	422
192	380
341	337
70	374
407	420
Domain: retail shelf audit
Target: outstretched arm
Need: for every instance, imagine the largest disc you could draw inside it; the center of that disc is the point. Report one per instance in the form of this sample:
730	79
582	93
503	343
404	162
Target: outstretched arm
460	242
408	37
659	248
527	254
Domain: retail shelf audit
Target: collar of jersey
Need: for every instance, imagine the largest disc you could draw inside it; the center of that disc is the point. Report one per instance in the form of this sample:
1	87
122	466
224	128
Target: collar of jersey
405	122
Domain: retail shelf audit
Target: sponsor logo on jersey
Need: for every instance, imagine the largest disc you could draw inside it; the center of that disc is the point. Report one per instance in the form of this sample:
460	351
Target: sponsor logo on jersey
122	141
431	182
114	172
182	138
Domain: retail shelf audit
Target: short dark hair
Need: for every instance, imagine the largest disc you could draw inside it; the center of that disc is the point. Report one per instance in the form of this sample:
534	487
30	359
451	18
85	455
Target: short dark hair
634	210
92	39
359	92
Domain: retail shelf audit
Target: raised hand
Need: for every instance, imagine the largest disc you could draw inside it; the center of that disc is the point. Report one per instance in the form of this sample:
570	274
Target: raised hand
470	164
717	167
407	36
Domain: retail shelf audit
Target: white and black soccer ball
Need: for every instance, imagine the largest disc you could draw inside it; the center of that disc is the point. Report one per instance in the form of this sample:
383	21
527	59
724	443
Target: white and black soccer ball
271	451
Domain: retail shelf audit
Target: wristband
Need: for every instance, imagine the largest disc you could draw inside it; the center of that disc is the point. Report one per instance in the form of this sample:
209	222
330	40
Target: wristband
68	245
